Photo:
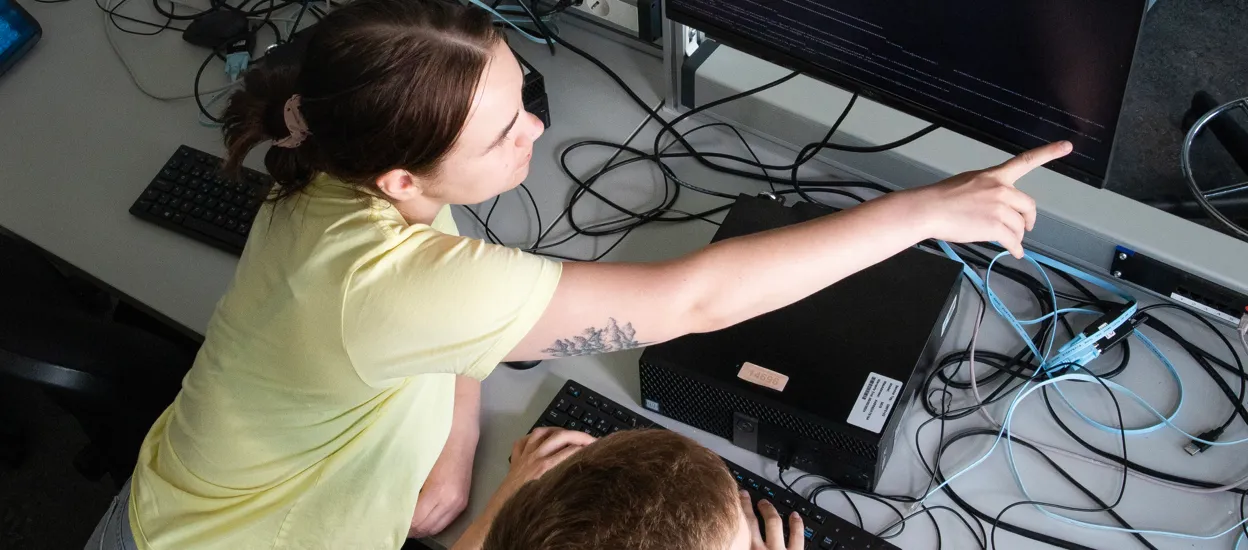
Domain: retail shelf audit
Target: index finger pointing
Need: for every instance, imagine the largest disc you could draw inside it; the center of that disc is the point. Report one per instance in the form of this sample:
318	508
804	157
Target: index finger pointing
1011	170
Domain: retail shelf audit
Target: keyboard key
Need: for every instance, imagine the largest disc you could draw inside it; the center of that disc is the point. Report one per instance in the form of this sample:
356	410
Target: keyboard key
222	207
215	191
178	218
142	206
233	212
219	220
183	179
197	212
243	228
253	204
163	185
150	194
199	198
615	429
186	207
166	213
771	494
788	501
240	200
589	418
626	418
592	401
576	412
168	174
602	427
573	424
828	544
574	391
803	509
230	224
556	418
819	517
561	405
164	199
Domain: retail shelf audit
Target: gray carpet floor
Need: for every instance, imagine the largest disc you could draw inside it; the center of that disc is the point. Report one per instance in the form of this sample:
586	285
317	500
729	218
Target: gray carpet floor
1188	45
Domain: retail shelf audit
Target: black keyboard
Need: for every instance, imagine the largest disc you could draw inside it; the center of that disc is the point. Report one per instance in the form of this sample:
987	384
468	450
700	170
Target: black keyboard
192	197
578	408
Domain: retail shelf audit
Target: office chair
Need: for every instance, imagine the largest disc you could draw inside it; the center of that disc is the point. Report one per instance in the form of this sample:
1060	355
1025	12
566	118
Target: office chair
113	378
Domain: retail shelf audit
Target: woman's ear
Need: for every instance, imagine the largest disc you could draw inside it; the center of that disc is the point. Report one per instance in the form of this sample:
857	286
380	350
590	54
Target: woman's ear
400	185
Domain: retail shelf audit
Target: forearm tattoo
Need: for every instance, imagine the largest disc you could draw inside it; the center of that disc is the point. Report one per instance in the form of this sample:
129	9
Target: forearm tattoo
612	337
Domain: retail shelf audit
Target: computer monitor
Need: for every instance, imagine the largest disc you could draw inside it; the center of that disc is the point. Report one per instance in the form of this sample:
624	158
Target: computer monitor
18	33
1012	73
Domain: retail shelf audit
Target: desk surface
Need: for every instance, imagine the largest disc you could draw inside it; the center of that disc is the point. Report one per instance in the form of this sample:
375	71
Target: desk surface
83	142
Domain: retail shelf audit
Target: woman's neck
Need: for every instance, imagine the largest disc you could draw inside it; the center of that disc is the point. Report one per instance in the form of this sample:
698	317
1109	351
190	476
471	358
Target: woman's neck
419	210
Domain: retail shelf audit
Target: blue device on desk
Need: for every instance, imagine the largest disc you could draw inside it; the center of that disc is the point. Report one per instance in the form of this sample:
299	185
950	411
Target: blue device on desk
18	33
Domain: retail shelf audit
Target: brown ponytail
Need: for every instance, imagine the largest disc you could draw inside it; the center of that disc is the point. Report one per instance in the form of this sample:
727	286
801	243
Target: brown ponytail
385	84
254	116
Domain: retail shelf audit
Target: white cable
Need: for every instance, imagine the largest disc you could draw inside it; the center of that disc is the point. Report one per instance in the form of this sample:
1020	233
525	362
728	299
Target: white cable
112	43
983	410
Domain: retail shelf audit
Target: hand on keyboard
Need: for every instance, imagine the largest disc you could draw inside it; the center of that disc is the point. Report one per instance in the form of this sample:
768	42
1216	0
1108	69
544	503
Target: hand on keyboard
771	536
541	450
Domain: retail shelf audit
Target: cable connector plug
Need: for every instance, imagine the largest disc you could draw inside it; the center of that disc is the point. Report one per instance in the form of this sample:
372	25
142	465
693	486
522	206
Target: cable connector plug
1194	447
236	63
1243	322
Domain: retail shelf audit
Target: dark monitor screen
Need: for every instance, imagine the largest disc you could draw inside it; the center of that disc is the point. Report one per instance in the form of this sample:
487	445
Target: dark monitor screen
1013	73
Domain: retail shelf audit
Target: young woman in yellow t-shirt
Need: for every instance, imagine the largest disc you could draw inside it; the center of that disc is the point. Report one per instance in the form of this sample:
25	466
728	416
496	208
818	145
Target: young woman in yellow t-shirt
335	401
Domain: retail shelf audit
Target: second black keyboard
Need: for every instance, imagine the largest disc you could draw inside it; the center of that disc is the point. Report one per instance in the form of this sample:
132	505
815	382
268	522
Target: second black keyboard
579	408
190	195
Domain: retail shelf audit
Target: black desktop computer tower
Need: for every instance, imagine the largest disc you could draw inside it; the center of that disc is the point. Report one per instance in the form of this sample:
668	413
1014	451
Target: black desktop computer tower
822	384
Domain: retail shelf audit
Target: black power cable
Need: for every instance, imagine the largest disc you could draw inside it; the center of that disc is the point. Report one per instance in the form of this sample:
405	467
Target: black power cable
199	100
113	16
656	214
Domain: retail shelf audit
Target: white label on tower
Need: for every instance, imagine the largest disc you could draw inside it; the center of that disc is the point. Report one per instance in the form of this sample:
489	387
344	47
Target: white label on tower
876	400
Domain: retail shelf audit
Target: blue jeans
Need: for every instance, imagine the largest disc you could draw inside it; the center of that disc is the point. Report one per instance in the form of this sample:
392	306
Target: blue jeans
113	532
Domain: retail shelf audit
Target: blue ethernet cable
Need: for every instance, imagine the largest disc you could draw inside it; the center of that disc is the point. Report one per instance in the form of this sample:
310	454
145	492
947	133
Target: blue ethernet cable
1006	427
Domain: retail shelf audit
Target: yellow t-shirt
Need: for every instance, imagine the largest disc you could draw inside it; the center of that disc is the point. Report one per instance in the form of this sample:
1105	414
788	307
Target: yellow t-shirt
323	393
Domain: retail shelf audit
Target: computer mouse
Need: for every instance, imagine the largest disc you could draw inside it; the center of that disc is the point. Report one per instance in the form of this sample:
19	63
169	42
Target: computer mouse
216	29
522	365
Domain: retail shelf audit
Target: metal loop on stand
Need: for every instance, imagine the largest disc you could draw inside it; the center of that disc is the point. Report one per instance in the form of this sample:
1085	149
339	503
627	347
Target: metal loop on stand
1202	197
